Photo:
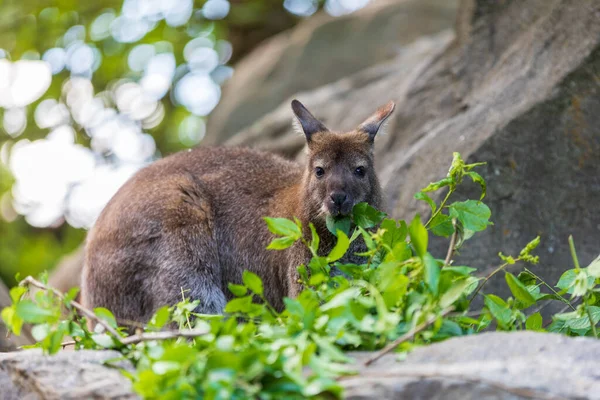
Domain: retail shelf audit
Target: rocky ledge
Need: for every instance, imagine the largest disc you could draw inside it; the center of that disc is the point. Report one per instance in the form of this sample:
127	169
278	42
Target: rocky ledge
520	365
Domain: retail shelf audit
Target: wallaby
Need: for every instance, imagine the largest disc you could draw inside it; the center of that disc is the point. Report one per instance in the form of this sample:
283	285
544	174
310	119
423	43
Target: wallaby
193	221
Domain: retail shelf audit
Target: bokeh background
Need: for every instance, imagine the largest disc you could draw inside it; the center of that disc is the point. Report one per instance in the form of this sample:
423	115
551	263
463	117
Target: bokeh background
92	91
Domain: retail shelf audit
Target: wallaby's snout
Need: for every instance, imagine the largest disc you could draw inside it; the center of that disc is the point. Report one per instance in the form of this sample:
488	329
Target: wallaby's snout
340	204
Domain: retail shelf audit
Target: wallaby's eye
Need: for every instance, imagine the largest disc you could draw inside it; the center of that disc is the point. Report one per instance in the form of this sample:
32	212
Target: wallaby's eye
319	172
359	171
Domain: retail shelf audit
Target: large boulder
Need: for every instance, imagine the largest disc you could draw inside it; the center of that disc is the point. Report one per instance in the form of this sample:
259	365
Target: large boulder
519	88
502	366
68	375
320	50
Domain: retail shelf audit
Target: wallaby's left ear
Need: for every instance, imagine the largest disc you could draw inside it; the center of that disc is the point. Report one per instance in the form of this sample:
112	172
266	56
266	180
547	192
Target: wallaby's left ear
310	125
373	123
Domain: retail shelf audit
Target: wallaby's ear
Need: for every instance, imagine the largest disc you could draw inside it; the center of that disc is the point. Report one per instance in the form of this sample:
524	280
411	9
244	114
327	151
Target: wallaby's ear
310	125
373	123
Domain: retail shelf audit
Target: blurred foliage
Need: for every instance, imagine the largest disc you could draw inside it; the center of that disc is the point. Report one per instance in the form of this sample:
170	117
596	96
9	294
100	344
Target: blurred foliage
28	28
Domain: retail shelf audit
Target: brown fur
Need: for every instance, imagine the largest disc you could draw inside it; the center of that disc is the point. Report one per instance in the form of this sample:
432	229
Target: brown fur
193	220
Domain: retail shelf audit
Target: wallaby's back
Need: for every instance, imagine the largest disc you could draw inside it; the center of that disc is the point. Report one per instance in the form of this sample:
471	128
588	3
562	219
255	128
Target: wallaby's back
182	223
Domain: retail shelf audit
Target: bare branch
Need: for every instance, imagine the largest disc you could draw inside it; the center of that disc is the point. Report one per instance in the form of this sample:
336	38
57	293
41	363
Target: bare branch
407	336
164	335
69	343
88	313
142	337
451	248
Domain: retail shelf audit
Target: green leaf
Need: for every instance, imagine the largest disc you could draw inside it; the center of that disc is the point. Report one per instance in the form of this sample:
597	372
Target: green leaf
12	320
418	236
314	243
341	247
526	278
455	291
567	279
338	224
253	282
441	225
160	317
400	252
71	295
30	312
474	215
395	232
499	309
426	198
342	299
16	293
40	332
570	278
366	216
240	304
478	179
283	227
519	290
594	268
106	315
534	322
461	270
164	367
237	290
583	283
432	273
103	340
281	243
437	185
583	322
371	245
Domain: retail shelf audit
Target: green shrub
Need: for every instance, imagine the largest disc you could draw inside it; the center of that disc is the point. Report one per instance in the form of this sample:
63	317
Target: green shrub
401	296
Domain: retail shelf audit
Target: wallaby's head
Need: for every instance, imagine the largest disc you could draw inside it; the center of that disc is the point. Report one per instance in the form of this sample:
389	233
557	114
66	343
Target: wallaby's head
340	168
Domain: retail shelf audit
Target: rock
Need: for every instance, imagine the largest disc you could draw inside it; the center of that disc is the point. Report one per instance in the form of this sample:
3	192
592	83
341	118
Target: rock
519	365
503	366
67	375
294	60
519	87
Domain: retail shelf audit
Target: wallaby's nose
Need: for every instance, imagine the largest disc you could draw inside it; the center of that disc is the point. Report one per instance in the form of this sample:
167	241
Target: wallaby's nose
338	198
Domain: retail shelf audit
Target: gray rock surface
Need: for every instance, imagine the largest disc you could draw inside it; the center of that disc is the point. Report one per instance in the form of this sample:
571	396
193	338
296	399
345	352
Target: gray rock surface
320	50
68	375
502	366
519	87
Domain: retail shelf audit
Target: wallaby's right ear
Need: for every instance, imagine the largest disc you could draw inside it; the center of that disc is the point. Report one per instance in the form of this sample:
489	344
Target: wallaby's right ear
310	125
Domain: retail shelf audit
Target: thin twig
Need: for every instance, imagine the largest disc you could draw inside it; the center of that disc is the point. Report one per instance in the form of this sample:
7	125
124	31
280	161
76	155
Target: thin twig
487	278
88	313
574	253
466	314
451	247
551	288
407	336
69	343
165	335
129	323
442	204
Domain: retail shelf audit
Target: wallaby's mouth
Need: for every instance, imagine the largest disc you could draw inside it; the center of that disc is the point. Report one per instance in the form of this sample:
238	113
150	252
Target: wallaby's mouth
339	210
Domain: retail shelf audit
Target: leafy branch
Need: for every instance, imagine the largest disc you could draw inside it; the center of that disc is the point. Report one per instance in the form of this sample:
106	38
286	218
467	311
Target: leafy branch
399	294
